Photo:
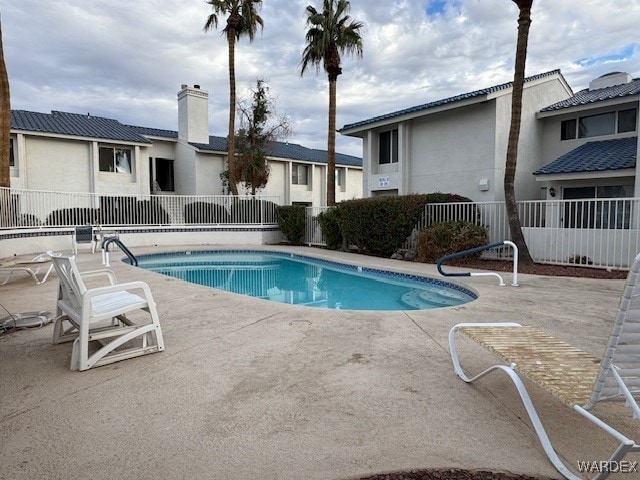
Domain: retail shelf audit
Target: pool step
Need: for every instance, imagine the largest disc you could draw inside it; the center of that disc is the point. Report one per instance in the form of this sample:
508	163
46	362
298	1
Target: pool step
421	299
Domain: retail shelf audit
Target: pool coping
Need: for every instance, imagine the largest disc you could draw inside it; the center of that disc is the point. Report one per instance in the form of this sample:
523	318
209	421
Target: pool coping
352	267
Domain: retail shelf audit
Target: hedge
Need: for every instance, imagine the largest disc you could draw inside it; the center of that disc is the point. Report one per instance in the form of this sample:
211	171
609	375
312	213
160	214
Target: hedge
205	212
378	225
442	239
292	222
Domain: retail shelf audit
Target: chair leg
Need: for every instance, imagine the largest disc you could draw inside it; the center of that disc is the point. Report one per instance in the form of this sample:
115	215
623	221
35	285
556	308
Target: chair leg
524	396
62	335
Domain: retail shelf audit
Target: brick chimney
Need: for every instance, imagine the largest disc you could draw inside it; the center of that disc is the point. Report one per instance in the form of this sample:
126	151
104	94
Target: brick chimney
193	114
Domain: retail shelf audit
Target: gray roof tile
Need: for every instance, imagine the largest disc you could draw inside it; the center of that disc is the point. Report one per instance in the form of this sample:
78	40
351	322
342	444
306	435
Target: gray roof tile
595	157
287	150
445	101
155	132
75	124
586	96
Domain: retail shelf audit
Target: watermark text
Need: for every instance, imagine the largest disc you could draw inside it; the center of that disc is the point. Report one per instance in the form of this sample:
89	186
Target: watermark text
622	466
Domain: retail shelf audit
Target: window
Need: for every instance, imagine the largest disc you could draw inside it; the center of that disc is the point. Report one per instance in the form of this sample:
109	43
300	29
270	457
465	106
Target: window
613	211
627	120
299	174
113	159
388	148
164	174
568	129
340	177
595	125
601	124
12	158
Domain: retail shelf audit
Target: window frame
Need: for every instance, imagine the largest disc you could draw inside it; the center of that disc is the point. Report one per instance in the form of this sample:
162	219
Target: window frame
572	128
388	155
635	120
583	131
613	213
569	129
114	165
295	174
12	152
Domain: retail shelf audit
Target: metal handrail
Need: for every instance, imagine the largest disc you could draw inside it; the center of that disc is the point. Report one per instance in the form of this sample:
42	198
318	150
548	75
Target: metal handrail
477	274
105	251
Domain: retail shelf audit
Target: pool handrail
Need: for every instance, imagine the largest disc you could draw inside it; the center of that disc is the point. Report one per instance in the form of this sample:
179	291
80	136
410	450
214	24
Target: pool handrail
105	251
469	251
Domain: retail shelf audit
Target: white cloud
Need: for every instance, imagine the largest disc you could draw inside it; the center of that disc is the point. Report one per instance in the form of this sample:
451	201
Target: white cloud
127	59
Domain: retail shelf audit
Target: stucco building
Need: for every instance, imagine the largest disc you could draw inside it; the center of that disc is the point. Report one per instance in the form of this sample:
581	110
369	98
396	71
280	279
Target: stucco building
572	146
73	152
457	144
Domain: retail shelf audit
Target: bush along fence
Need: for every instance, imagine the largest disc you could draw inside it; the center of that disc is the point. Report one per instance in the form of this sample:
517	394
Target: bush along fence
602	233
32	208
375	226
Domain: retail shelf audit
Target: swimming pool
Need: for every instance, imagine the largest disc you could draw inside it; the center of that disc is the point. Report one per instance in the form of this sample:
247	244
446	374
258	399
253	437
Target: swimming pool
301	280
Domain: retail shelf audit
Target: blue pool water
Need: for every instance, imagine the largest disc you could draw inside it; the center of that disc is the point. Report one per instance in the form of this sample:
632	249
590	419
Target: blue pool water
301	280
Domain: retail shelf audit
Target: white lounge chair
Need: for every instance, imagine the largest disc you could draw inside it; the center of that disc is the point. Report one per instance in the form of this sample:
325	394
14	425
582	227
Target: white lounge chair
31	267
579	379
97	315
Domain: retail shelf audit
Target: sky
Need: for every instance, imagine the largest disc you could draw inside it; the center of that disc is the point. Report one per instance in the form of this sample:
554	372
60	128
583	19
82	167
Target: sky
126	59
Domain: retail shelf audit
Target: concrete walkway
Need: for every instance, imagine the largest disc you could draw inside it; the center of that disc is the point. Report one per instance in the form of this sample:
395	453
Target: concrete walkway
254	389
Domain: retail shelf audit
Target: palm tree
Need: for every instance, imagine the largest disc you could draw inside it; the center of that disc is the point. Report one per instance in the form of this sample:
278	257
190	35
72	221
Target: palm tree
331	33
5	119
515	227
242	20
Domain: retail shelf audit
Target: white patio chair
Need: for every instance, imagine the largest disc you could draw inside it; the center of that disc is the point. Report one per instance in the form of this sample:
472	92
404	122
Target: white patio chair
579	379
97	315
31	267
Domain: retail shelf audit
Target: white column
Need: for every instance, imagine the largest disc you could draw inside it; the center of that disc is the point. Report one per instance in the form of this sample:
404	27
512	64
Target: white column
94	167
367	163
404	168
287	183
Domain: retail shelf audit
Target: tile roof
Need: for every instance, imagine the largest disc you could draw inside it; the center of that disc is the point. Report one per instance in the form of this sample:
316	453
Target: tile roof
75	124
586	96
595	157
155	132
445	101
287	150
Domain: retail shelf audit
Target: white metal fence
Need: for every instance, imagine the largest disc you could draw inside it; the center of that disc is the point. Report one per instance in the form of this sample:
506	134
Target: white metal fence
313	233
601	233
34	208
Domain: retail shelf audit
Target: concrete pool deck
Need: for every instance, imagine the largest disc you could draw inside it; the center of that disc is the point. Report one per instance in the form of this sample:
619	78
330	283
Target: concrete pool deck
254	389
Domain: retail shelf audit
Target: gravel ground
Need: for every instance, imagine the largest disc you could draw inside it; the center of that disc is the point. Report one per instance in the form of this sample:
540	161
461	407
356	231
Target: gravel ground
540	269
453	474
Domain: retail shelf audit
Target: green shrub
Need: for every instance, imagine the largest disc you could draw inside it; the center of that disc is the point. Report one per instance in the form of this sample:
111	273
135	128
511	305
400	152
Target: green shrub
118	210
380	225
204	212
449	237
253	211
73	216
150	212
331	228
292	220
27	220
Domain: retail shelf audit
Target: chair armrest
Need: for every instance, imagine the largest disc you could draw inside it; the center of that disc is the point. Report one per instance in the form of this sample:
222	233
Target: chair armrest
95	273
119	287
